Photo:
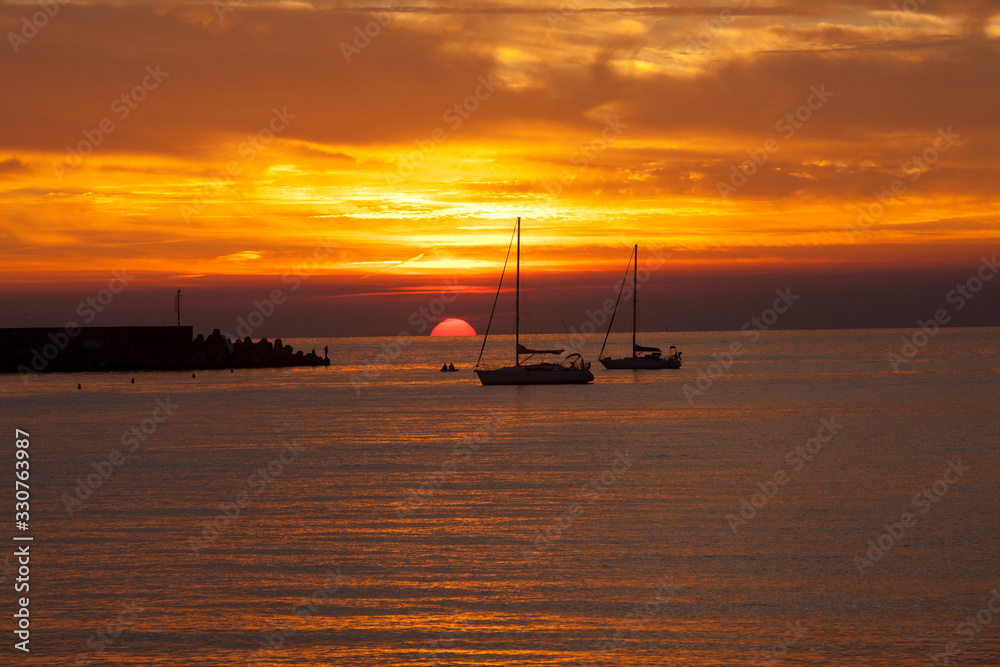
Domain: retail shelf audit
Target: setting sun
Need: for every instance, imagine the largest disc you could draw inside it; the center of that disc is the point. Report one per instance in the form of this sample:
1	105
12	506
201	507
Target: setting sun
453	327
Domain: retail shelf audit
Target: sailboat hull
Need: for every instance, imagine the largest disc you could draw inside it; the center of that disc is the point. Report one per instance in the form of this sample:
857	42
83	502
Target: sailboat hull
640	363
535	374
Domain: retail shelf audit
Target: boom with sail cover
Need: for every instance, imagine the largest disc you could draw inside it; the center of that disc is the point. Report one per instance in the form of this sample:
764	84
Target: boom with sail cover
523	350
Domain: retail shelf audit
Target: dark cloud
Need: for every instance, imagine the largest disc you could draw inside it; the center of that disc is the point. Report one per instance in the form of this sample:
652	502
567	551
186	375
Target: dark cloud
226	77
14	166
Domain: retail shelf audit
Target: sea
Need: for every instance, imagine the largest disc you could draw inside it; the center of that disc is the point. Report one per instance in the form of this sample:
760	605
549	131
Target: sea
785	498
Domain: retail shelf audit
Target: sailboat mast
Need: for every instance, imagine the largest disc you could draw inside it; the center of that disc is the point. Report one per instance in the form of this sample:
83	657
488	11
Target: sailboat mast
635	292
517	301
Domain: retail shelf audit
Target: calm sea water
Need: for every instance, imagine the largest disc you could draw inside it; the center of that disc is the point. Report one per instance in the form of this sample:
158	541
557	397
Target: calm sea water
411	517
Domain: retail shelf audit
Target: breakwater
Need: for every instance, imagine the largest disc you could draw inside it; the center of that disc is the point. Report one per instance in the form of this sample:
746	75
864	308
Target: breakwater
73	349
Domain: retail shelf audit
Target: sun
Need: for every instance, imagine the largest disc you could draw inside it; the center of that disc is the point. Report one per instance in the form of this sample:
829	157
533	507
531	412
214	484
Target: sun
453	327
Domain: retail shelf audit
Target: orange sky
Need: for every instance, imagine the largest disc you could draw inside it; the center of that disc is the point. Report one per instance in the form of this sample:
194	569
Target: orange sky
240	141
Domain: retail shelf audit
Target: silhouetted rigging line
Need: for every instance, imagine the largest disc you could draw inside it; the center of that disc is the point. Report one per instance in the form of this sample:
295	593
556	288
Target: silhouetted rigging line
624	279
497	297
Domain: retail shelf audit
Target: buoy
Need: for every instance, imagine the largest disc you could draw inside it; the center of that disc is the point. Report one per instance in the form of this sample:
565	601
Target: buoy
79	387
192	374
133	380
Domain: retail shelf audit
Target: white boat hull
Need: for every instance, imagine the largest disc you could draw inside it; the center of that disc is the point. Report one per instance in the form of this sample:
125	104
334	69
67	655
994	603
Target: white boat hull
535	374
640	363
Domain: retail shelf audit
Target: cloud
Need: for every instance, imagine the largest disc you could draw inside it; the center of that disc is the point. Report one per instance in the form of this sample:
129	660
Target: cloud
224	83
697	91
242	256
14	166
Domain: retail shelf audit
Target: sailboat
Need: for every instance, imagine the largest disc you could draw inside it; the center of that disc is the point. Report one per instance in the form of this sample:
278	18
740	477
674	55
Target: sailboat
572	370
643	357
